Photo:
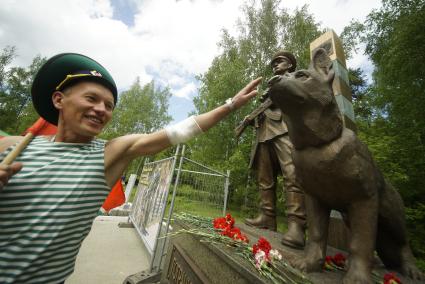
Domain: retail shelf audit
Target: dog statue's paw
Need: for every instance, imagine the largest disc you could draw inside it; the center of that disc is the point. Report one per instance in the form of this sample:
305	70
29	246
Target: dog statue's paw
410	270
357	277
305	264
408	267
299	263
358	272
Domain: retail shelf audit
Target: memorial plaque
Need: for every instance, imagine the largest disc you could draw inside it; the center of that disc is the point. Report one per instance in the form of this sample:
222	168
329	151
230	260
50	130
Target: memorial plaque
180	269
151	198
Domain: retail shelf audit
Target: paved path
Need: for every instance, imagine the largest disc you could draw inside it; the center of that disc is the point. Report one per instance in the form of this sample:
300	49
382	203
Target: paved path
109	254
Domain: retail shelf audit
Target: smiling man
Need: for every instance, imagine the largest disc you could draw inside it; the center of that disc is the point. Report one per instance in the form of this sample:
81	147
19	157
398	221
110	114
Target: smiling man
50	195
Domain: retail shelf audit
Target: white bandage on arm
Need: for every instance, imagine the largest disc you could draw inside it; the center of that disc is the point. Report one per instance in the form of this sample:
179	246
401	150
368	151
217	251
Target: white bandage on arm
183	131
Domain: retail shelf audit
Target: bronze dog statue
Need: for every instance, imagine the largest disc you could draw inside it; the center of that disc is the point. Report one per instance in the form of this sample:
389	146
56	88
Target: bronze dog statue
338	172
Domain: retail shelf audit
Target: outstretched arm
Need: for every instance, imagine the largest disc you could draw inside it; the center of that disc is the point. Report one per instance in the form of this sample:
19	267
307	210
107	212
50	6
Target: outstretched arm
121	150
209	119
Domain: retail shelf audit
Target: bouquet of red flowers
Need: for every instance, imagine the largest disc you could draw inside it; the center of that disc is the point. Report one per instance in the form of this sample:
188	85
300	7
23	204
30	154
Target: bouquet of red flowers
336	262
227	228
267	261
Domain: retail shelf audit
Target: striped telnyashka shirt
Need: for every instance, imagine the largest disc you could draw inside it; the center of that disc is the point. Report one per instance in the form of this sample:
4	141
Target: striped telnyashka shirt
47	209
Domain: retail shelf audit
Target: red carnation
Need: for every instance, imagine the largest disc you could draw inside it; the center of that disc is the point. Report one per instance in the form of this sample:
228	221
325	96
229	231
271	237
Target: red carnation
234	232
225	225
230	220
226	231
390	278
224	222
244	238
219	223
339	260
263	245
328	259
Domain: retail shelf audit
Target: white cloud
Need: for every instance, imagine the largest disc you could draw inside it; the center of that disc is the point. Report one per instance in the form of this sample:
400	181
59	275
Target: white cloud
52	27
183	33
186	91
171	41
336	14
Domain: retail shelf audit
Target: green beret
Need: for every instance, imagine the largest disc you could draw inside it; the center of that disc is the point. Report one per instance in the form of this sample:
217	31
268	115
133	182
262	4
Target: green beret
288	55
58	72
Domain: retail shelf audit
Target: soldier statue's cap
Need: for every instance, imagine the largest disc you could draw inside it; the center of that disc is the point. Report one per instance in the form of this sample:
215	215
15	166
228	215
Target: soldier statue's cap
58	72
287	55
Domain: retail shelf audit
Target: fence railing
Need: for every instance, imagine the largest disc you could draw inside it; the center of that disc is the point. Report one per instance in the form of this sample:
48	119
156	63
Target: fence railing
196	188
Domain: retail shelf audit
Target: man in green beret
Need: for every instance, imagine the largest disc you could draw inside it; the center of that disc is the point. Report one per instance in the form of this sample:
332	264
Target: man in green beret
50	195
271	155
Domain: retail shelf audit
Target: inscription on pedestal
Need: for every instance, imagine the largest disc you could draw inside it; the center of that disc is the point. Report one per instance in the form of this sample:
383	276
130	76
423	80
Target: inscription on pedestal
179	270
176	273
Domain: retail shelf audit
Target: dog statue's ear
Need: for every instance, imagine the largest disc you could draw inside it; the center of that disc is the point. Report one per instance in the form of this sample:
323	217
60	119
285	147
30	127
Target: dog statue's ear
323	64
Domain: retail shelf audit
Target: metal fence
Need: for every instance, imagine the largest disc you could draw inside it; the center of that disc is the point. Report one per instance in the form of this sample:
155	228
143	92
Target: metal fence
200	189
148	208
195	188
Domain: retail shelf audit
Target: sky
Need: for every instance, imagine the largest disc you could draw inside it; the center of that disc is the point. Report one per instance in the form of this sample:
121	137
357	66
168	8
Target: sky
169	41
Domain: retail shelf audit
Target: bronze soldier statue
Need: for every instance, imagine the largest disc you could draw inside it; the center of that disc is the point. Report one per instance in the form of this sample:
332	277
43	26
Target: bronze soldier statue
271	155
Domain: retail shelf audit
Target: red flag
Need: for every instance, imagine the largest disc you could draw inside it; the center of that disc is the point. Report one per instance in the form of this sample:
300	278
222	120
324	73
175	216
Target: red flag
116	196
42	127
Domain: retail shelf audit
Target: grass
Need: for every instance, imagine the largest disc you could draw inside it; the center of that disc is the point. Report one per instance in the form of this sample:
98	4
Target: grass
240	216
182	204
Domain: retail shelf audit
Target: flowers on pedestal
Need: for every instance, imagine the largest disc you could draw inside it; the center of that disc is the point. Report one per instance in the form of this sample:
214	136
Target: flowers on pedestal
226	227
261	254
390	278
264	254
267	261
262	251
336	262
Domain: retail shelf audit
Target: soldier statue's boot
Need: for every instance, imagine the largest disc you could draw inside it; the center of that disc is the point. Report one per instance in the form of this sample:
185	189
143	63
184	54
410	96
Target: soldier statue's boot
267	217
262	221
295	236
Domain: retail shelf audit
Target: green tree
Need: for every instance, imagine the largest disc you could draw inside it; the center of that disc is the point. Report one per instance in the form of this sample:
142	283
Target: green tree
298	31
6	100
396	44
390	111
6	57
16	111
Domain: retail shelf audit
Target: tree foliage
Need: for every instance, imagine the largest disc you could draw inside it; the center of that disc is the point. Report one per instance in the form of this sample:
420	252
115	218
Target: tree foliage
390	112
395	42
16	111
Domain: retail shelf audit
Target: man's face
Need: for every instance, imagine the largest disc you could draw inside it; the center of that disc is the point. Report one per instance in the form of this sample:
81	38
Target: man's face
280	65
85	109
